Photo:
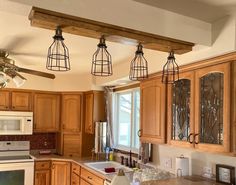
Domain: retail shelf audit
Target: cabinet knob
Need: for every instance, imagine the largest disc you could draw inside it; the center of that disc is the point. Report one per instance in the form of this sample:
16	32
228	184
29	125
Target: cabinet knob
196	138
90	178
13	107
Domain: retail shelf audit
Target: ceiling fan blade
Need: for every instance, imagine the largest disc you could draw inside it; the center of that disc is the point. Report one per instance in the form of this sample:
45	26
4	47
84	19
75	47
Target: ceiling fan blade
34	72
17	42
28	54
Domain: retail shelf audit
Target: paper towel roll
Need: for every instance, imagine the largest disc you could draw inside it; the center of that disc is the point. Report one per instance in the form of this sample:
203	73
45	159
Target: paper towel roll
182	166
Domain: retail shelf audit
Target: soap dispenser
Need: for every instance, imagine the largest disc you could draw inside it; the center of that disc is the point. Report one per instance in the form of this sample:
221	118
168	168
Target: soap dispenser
120	178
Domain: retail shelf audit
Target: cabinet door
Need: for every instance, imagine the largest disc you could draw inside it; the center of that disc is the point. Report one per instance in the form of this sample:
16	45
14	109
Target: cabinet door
212	114
21	101
46	112
42	177
89	125
71	112
75	179
153	103
181	111
4	100
72	145
60	174
83	182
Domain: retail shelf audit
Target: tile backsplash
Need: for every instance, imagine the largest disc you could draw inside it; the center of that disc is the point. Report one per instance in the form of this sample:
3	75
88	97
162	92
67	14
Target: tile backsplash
37	140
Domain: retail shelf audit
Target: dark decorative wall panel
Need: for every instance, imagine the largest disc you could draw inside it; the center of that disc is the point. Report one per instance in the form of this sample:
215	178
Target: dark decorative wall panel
37	141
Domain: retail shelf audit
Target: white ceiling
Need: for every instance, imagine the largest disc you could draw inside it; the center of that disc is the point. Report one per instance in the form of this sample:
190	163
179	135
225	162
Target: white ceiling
28	45
206	10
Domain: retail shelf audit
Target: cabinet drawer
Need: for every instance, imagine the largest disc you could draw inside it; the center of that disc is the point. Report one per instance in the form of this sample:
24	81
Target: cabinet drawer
75	179
42	165
91	178
75	168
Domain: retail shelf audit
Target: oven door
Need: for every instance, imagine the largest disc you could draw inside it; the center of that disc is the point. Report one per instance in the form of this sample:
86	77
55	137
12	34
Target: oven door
17	173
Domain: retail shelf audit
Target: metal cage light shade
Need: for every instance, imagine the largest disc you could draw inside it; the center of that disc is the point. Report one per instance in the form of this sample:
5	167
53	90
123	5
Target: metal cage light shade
58	54
170	72
101	62
138	66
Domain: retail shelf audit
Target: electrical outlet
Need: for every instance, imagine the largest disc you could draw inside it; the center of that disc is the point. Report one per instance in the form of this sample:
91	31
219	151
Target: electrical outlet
167	162
207	172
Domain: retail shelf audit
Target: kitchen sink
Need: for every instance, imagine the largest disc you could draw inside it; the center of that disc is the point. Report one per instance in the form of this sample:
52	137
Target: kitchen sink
100	166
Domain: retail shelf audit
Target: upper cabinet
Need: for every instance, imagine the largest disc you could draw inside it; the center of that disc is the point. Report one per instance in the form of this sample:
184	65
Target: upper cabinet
46	112
181	111
5	100
15	100
198	109
212	113
153	106
71	112
94	109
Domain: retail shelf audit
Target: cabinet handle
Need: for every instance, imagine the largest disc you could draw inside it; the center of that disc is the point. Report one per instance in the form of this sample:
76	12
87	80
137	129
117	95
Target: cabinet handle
190	138
90	178
6	107
139	133
196	138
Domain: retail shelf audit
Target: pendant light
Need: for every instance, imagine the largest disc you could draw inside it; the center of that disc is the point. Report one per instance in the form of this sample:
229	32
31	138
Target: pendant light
58	54
138	66
170	72
101	62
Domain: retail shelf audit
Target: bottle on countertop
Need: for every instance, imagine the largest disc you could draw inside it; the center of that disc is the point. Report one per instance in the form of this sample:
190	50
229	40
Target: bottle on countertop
111	155
107	153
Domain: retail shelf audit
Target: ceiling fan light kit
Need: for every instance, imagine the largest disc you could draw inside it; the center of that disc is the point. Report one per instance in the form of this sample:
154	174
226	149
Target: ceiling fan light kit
58	54
138	66
101	61
18	80
170	72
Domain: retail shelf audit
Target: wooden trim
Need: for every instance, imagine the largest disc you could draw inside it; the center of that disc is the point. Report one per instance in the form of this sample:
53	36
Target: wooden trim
132	86
89	28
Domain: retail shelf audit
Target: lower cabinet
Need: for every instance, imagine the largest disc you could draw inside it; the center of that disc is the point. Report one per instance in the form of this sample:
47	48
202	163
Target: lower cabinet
42	173
83	182
75	174
90	178
60	174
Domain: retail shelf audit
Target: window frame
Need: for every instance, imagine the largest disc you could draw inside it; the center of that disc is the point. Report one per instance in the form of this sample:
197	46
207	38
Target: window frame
115	120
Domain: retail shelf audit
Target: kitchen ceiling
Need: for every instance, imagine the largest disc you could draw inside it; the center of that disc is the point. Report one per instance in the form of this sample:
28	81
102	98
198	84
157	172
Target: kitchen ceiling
206	10
28	45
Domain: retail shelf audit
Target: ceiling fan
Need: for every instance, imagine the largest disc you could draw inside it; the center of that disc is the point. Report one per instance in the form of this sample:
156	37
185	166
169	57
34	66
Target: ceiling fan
8	67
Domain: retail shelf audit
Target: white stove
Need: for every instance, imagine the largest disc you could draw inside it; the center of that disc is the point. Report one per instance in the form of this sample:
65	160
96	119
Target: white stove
16	163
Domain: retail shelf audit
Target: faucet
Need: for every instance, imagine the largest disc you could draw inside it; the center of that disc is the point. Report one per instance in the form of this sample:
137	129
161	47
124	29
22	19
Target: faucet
130	159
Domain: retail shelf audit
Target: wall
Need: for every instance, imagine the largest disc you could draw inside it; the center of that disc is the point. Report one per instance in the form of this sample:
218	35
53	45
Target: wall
198	160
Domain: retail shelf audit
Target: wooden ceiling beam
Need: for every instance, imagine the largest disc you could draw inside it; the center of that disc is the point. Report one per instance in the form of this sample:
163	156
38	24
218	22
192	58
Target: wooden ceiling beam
84	27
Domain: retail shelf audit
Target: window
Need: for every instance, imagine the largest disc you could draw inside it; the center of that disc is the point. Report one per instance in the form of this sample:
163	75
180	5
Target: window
126	115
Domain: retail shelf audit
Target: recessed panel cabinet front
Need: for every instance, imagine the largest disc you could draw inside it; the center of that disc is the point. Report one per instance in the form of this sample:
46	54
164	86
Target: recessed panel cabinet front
46	112
212	113
71	112
4	100
21	101
153	103
60	174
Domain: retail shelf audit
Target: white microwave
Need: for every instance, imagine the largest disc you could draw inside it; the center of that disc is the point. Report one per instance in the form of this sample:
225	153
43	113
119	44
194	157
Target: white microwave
16	123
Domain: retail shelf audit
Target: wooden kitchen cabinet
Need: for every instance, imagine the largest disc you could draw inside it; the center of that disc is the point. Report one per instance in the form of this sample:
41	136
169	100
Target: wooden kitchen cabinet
72	145
60	173
42	173
199	109
94	109
212	108
46	112
4	100
15	100
180	115
75	174
71	112
90	178
21	101
153	103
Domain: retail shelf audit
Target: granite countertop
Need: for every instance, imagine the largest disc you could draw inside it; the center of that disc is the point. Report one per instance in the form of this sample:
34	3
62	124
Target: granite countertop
190	180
